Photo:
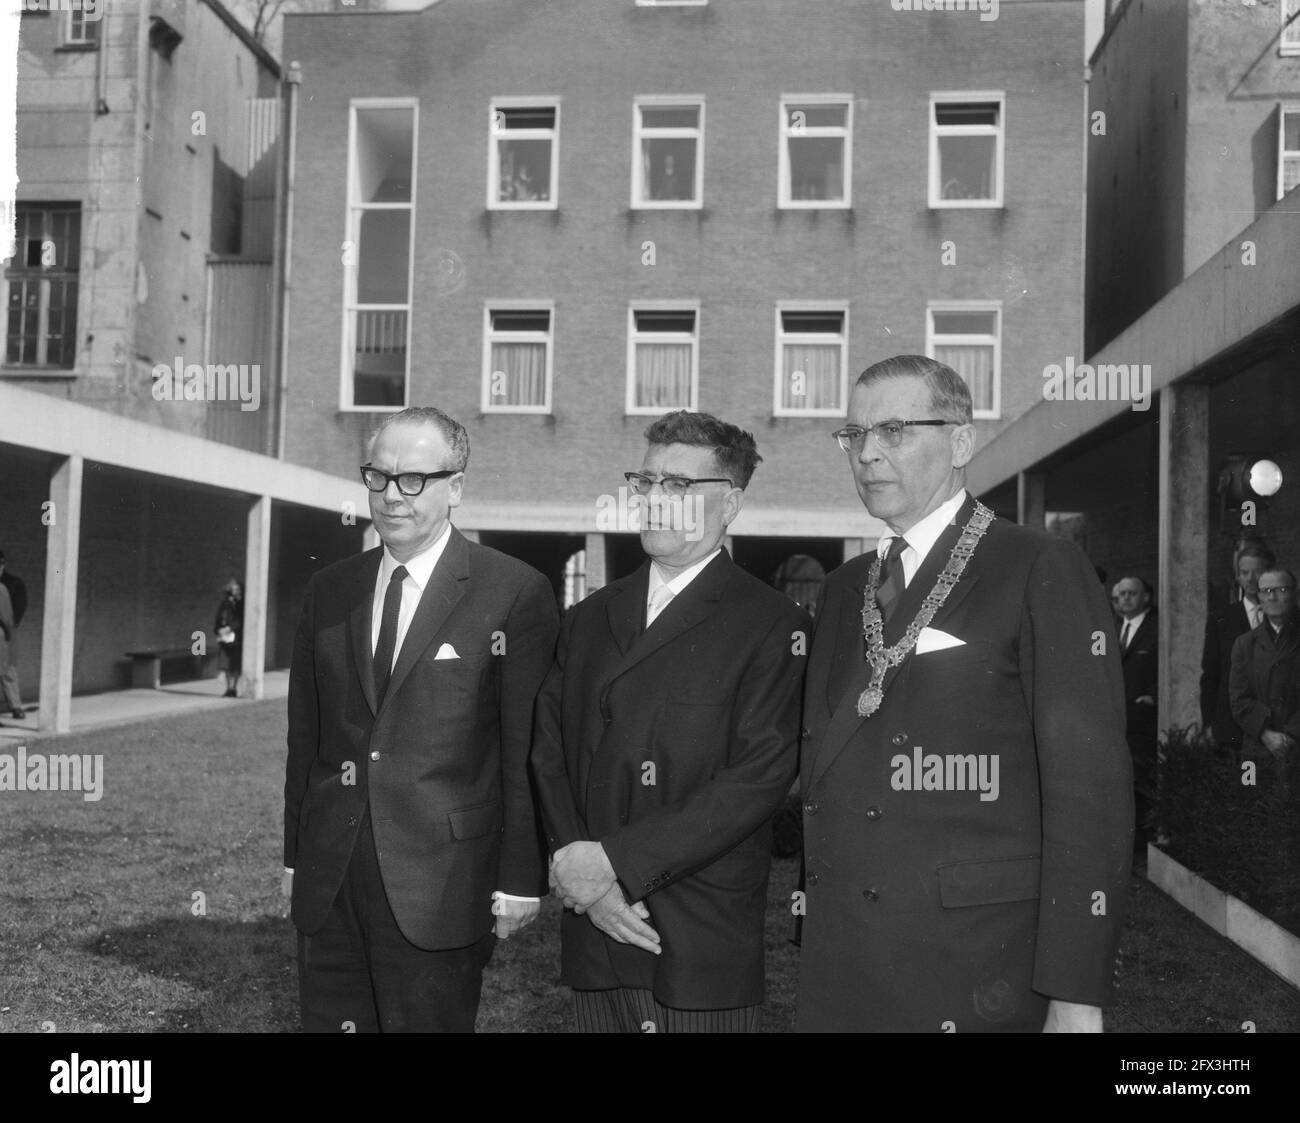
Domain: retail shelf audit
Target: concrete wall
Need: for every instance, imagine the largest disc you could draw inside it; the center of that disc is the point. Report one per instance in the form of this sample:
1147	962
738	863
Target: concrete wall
144	179
738	256
1137	170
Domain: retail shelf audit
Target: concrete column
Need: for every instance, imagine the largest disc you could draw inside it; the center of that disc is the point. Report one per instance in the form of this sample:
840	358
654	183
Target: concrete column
369	538
1184	522
257	579
470	535
1031	499
59	626
594	552
853	548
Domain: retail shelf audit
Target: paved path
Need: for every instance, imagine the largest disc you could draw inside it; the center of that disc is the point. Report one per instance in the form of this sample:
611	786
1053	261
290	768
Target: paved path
121	707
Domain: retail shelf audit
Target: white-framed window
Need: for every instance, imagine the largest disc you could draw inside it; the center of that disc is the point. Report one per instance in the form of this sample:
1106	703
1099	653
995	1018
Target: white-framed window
663	356
668	152
1288	148
1289	42
518	345
812	351
967	142
815	160
967	335
81	26
523	153
377	253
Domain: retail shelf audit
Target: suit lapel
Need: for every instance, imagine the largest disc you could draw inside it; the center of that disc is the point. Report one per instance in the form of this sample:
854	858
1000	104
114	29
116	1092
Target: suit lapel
445	588
626	609
691	606
359	624
844	714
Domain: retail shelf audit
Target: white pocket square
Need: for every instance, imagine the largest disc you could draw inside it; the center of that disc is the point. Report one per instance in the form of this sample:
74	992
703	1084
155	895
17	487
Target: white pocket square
446	651
931	639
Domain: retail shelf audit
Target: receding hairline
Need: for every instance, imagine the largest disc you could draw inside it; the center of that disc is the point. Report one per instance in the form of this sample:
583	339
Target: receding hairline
397	421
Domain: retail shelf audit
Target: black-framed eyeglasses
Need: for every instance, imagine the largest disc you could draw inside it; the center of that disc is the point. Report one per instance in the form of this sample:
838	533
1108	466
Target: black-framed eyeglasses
888	433
672	485
1275	590
408	483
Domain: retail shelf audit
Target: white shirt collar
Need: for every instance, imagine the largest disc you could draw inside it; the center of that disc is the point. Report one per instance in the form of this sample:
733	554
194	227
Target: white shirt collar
678	583
1134	624
922	536
420	568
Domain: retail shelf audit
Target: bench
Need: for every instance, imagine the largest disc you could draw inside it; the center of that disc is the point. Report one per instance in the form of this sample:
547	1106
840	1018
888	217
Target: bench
146	665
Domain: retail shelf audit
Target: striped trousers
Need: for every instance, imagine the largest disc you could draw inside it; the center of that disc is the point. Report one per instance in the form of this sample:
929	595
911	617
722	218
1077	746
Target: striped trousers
634	1010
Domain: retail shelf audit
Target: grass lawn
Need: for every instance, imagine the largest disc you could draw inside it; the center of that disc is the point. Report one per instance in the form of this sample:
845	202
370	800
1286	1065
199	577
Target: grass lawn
98	928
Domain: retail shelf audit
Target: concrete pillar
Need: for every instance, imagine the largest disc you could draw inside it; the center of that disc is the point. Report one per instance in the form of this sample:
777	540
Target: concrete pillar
59	626
369	537
257	577
1184	523
853	548
470	535
594	552
1031	499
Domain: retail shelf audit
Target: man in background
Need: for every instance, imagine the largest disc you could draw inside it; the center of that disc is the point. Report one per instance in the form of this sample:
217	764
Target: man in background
1139	636
1223	624
1263	687
15	601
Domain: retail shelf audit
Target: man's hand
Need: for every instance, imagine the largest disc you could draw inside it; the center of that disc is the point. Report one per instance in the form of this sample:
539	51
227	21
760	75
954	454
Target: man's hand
513	915
580	874
1276	743
1072	1017
623	922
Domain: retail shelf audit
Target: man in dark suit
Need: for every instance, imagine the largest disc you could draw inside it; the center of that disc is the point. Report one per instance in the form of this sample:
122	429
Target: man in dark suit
408	816
15	590
966	786
1264	689
1223	624
667	737
1139	635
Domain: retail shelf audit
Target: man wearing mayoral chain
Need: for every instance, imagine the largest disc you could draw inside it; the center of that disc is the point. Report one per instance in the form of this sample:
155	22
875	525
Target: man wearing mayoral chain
965	779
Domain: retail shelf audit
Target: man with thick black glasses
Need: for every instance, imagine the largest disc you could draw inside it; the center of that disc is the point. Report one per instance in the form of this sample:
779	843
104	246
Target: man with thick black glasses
667	734
410	841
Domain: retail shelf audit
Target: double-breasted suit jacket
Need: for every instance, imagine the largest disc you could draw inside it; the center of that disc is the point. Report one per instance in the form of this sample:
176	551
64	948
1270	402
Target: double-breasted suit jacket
673	746
443	762
967	846
1265	687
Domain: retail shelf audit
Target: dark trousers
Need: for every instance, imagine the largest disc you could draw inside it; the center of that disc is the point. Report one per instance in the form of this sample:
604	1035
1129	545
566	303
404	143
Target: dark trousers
359	974
634	1010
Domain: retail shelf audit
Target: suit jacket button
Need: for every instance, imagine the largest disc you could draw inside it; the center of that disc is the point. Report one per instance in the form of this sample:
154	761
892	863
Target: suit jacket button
899	738
811	879
374	755
352	820
811	807
805	732
649	885
871	894
874	812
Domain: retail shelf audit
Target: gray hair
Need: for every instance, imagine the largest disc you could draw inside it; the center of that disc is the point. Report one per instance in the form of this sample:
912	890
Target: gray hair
949	394
453	432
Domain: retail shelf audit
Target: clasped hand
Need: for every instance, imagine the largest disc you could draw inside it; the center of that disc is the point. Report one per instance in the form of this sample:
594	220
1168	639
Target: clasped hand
584	880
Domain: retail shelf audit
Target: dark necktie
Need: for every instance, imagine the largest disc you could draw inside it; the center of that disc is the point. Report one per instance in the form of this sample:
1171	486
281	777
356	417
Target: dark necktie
387	644
891	577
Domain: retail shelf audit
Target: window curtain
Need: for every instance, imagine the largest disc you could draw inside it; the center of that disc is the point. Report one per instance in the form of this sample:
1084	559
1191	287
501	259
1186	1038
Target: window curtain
524	365
820	364
663	375
974	362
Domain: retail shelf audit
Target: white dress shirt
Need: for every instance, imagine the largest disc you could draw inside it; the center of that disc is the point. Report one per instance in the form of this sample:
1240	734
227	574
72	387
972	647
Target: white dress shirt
1130	629
676	584
419	571
922	536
